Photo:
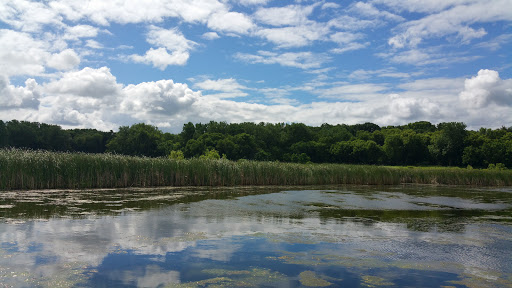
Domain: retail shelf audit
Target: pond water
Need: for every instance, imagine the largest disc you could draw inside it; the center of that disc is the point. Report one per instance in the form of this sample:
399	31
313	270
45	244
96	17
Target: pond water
348	236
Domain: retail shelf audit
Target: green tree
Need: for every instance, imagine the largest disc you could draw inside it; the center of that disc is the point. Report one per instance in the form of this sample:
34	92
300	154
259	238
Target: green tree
394	149
245	146
210	154
194	148
448	143
176	155
4	141
138	140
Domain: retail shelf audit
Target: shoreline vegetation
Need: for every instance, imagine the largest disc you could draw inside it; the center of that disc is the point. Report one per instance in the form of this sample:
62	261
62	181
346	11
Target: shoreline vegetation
37	169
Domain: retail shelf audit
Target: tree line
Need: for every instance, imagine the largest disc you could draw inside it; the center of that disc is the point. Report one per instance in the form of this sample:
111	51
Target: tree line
418	143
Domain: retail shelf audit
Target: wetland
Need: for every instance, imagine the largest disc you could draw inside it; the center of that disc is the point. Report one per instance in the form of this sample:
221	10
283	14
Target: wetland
258	236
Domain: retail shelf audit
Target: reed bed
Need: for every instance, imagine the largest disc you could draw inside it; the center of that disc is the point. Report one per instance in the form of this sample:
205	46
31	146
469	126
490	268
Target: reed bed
22	169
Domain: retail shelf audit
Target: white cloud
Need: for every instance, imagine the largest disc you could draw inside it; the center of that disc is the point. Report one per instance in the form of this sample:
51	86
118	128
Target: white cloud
421	57
433	84
346	40
423	6
411	108
252	2
291	15
211	36
160	58
93	98
28	16
230	22
168	40
486	88
346	37
368	10
331	5
303	60
456	20
162	98
353	92
65	60
93	44
496	43
230	88
297	36
80	31
362	74
20	54
171	39
225	85
350	23
15	97
350	47
88	82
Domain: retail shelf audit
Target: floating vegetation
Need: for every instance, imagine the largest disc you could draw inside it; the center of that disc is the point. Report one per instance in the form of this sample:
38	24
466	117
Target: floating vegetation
213	282
483	279
255	277
374	281
310	279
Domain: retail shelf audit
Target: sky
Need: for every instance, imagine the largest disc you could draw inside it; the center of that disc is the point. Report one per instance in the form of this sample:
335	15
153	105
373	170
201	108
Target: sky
105	64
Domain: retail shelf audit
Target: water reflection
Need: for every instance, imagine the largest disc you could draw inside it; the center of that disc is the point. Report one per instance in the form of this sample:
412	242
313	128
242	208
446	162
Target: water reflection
349	236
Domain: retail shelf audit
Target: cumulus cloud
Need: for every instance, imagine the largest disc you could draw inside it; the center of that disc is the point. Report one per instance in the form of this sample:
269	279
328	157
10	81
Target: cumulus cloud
160	58
303	60
88	82
486	88
171	39
168	40
93	98
162	97
230	22
411	108
21	54
15	97
65	60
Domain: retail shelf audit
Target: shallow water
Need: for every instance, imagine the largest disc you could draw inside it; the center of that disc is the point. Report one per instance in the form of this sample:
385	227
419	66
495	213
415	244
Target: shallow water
349	236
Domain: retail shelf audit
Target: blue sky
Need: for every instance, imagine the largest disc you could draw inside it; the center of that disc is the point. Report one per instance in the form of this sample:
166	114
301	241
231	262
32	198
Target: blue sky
103	64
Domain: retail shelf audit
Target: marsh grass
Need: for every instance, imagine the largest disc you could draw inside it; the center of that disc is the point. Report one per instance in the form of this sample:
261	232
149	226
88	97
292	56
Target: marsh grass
22	169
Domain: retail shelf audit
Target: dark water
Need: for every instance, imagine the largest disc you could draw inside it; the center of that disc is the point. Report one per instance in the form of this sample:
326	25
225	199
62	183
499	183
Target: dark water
350	236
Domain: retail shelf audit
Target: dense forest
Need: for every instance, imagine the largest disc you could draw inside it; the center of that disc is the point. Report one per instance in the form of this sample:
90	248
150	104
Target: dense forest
419	143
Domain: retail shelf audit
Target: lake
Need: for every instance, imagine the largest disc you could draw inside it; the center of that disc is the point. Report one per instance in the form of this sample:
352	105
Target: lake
338	236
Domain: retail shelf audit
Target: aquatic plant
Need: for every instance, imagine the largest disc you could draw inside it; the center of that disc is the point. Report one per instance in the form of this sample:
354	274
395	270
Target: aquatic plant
28	169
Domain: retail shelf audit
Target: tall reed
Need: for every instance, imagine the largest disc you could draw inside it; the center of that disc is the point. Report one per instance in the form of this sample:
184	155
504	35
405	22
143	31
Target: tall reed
22	169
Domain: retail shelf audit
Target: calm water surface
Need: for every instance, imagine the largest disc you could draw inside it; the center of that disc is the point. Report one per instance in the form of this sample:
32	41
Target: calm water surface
349	236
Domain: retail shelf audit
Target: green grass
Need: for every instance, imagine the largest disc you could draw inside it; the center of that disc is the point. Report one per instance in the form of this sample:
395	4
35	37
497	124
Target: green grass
21	169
